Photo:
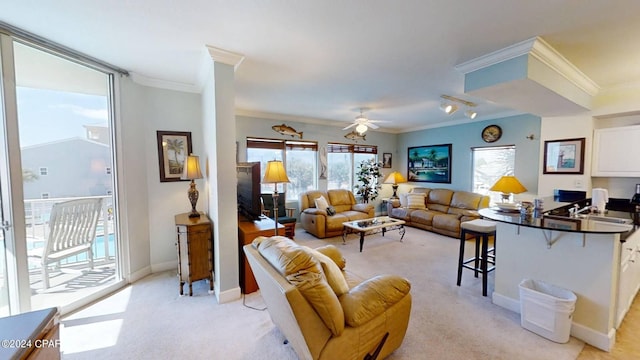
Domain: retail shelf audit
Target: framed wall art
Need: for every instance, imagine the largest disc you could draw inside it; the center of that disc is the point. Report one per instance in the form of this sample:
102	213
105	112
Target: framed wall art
564	156
386	160
431	163
173	149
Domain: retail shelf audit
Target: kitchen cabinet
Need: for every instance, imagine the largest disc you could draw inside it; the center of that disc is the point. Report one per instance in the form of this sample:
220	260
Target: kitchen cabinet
612	150
629	280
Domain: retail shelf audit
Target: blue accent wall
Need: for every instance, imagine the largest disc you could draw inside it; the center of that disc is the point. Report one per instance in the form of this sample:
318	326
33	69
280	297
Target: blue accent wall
515	130
505	71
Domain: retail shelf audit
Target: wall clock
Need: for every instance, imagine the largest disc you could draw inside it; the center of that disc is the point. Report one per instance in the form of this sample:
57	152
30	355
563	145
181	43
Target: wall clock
491	133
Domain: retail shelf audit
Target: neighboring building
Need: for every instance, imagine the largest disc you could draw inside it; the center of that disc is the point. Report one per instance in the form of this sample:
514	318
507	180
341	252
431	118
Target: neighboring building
73	167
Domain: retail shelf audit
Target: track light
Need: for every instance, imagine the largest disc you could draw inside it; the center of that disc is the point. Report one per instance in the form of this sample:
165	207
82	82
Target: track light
361	128
471	114
448	108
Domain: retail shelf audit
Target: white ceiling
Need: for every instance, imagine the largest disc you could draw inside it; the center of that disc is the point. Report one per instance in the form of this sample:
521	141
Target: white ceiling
321	60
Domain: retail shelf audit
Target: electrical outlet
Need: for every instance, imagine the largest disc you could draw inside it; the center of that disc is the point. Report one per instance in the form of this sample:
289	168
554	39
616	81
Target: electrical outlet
578	184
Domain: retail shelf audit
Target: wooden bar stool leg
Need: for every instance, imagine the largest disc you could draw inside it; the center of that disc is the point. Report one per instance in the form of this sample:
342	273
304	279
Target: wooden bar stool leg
477	262
461	255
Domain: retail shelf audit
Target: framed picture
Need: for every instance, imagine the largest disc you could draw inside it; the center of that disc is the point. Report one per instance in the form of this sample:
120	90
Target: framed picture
173	149
386	160
430	163
564	156
560	223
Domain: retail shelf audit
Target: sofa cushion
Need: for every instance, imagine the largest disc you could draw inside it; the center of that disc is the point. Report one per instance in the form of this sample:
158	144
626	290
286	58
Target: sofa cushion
439	200
355	215
424	217
415	201
302	270
401	213
465	200
332	273
341	199
334	223
449	222
321	203
373	297
334	254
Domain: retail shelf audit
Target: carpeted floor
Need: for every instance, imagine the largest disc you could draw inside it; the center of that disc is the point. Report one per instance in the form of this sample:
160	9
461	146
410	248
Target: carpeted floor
149	320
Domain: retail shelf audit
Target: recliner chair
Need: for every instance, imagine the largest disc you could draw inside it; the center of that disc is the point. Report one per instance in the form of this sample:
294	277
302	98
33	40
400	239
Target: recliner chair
323	311
285	215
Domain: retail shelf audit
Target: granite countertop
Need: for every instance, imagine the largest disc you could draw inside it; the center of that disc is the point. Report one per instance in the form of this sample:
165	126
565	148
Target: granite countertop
553	217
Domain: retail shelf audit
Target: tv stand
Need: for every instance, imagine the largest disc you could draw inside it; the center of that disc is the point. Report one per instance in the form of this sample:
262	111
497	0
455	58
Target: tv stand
248	230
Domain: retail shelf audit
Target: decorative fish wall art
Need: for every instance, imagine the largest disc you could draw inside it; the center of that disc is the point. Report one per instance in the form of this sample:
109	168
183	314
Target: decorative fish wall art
286	130
355	136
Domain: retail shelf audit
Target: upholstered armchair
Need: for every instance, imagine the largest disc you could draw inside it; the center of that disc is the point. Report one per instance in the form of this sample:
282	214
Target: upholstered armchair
285	215
324	311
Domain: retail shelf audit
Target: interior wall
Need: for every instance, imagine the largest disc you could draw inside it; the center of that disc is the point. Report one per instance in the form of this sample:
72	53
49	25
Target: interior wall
323	134
464	137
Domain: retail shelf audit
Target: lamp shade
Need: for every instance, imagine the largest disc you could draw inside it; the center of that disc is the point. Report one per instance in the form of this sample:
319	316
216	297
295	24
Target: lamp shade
191	168
275	173
508	185
395	178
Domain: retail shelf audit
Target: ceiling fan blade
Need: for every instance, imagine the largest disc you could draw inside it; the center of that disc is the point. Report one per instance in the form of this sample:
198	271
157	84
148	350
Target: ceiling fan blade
378	121
373	126
350	126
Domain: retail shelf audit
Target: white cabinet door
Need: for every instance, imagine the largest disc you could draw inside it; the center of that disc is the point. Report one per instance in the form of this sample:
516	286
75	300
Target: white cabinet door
616	152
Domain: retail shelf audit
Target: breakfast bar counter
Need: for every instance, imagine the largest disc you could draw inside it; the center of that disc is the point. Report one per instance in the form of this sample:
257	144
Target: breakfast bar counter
593	256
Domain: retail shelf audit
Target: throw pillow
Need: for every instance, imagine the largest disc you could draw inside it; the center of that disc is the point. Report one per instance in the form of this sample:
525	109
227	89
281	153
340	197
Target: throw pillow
415	201
403	200
321	203
331	211
335	255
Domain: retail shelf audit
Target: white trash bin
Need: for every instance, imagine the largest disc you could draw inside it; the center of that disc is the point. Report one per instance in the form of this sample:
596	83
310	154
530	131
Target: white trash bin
546	310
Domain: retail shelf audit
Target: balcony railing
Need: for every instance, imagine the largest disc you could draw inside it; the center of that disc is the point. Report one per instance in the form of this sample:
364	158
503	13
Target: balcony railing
37	213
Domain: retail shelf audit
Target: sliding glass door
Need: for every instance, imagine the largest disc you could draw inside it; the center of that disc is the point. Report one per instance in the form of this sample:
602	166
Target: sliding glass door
66	246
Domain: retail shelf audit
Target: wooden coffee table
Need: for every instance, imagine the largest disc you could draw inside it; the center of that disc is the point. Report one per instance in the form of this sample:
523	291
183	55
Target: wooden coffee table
375	225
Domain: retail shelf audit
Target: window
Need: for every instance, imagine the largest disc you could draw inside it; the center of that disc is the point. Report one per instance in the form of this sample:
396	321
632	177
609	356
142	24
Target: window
489	164
342	162
44	171
300	158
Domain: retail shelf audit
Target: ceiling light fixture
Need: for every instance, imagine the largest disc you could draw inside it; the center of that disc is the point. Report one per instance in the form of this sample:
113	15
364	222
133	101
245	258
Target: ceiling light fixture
361	128
449	106
471	114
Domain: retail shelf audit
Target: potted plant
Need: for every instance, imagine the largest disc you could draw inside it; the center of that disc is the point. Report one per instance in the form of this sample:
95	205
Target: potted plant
368	177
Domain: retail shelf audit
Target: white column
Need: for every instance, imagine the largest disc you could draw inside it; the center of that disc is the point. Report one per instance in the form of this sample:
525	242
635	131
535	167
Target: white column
219	132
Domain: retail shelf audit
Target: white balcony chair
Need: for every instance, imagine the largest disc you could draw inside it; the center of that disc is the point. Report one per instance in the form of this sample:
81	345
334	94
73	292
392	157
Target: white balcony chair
72	230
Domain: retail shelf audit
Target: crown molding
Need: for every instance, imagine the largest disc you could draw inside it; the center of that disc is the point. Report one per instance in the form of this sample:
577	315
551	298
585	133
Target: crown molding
225	56
541	50
165	84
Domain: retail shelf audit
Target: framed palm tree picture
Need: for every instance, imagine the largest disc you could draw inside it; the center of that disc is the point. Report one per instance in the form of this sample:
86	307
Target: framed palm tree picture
173	149
430	163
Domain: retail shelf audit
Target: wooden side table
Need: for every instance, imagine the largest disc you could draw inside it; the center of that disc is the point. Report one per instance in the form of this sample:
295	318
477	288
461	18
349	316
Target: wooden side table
195	254
247	231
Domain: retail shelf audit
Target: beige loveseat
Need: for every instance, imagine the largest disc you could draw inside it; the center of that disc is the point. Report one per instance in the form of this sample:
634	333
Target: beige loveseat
316	220
323	311
440	211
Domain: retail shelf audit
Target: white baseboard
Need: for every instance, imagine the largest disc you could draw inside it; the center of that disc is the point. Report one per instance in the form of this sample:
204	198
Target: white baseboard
506	302
227	295
594	338
133	277
165	266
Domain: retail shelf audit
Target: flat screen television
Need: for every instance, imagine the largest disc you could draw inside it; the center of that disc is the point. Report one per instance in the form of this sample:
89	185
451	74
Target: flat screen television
249	200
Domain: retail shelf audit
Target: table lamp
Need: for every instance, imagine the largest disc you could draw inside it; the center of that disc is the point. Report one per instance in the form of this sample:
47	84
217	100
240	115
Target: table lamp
191	171
275	174
508	185
395	178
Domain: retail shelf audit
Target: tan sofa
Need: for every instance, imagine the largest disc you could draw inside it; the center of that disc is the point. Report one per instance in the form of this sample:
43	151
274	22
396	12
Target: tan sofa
443	210
319	223
323	311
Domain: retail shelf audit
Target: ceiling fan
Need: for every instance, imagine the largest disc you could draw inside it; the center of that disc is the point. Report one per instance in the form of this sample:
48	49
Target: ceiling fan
362	123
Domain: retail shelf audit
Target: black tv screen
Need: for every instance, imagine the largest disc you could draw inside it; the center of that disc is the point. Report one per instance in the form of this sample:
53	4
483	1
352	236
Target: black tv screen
249	205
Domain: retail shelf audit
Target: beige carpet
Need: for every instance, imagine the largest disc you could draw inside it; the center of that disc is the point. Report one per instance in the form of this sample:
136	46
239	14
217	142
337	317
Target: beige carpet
148	320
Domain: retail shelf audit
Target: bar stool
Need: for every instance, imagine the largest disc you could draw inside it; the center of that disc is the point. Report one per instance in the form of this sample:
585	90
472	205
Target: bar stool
481	230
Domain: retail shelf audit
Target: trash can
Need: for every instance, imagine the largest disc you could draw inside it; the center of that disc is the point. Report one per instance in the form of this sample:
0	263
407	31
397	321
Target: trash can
546	310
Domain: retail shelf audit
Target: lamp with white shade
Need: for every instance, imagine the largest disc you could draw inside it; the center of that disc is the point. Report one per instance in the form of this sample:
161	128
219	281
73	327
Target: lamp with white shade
191	171
274	174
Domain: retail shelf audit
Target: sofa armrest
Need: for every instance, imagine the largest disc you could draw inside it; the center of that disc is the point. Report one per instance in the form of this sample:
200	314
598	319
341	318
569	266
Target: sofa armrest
365	208
315	211
372	298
